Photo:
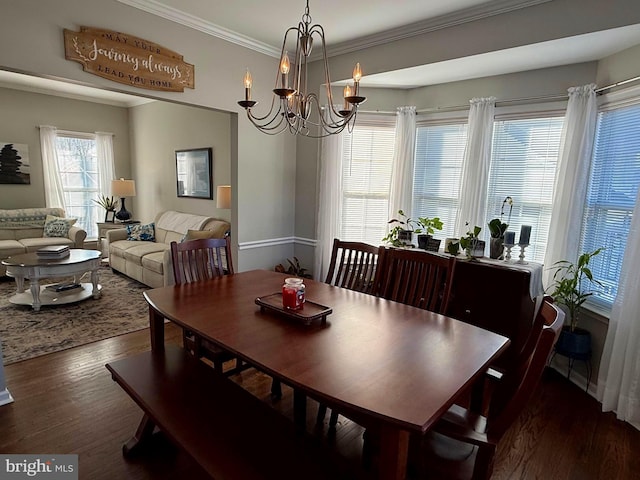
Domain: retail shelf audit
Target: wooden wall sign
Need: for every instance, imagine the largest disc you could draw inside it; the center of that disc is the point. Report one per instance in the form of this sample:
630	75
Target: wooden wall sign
127	59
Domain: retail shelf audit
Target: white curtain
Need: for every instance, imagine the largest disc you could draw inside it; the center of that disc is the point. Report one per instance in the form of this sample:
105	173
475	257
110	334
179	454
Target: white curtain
106	169
53	193
572	173
619	373
401	189
329	204
476	164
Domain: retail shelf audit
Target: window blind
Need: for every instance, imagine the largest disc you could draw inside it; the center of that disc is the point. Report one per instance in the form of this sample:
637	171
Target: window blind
437	169
367	155
523	166
611	196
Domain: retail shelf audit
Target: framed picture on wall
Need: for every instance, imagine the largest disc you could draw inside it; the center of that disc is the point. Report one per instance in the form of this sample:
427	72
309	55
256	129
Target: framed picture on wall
194	173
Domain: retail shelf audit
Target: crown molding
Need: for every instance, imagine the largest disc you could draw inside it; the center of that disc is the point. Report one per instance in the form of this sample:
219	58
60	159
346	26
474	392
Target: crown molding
460	17
191	21
471	14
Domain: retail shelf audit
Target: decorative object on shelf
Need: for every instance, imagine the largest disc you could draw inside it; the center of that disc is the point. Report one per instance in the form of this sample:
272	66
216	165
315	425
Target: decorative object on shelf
452	245
109	204
497	229
123	188
291	104
400	235
525	235
223	197
425	233
311	311
194	178
571	291
471	244
509	242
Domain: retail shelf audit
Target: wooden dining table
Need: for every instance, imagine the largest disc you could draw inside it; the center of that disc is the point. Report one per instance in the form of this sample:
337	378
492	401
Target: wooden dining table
399	366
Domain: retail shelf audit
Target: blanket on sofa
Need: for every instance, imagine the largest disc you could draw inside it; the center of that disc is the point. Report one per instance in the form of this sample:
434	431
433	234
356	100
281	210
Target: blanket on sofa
181	222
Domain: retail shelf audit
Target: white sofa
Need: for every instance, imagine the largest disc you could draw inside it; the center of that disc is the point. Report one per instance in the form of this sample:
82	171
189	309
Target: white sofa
22	231
149	262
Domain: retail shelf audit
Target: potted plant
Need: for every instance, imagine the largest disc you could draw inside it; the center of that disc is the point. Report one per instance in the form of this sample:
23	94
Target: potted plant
400	234
471	244
497	228
569	290
427	227
108	203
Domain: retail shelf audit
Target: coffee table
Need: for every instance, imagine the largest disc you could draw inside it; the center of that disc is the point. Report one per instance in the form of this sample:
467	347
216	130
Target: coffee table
34	268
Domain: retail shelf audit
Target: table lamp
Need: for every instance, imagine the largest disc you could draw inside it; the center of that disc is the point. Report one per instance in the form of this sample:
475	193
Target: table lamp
123	188
223	196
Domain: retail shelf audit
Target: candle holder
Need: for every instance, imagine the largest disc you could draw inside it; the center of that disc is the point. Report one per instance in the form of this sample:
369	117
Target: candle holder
507	254
521	257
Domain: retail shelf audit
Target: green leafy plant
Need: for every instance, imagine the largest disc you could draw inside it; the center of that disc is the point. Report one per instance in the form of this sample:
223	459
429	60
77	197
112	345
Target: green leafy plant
569	289
403	223
429	225
294	269
470	240
108	203
497	228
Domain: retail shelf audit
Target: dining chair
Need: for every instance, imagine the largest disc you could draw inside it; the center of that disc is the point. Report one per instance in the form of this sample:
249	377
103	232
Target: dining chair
463	443
417	278
196	260
355	265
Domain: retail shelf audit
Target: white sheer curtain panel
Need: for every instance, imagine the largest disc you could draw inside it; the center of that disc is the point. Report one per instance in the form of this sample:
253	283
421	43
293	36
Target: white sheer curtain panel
619	374
402	168
106	168
476	163
53	193
572	175
330	203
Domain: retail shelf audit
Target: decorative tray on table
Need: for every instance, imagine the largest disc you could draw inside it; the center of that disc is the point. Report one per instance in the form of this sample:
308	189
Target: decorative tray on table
308	313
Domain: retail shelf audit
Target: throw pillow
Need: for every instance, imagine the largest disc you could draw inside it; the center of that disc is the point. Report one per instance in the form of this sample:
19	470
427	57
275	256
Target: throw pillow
139	232
57	226
198	234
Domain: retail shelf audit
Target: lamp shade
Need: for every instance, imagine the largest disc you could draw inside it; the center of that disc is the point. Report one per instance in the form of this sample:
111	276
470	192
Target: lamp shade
223	196
123	188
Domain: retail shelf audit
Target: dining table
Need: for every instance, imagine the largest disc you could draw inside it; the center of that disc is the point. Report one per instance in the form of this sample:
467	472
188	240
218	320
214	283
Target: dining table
398	366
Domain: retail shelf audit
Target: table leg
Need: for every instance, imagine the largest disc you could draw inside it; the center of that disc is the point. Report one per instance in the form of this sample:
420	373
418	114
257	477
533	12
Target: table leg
144	431
19	283
35	293
394	449
94	280
299	411
156	327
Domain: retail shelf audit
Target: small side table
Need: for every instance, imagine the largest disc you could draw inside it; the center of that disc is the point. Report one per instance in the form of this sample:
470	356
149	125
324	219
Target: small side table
103	228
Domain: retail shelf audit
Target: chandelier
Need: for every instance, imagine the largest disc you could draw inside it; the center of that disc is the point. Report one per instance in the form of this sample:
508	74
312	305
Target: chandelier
291	103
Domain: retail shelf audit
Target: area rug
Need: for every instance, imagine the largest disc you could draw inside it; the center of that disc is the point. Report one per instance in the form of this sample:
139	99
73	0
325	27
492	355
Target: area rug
25	333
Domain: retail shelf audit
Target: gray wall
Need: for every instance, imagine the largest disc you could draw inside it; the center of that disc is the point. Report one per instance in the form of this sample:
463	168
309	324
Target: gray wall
158	129
23	112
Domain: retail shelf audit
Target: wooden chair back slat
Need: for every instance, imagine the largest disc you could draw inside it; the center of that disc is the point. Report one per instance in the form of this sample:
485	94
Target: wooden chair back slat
354	265
417	278
201	259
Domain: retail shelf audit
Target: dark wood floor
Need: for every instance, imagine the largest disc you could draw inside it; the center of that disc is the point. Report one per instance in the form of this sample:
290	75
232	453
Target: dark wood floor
66	402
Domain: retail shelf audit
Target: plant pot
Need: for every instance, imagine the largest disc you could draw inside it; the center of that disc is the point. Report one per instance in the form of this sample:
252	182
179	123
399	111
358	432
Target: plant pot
433	244
423	240
496	247
404	237
452	245
478	249
576	344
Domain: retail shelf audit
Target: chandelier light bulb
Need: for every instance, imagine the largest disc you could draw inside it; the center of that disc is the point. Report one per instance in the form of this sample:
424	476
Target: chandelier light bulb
346	93
357	73
285	65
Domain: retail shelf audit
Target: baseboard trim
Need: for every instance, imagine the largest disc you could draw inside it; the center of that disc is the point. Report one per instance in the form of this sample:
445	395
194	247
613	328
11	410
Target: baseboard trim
272	242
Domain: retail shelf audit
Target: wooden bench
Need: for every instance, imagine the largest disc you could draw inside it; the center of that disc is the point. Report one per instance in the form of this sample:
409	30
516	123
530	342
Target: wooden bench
229	432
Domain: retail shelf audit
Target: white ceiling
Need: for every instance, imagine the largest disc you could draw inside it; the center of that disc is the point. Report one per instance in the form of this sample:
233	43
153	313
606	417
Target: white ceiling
352	24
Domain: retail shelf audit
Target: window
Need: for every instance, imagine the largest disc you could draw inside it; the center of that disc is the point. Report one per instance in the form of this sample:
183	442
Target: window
78	167
367	155
437	171
523	165
611	195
